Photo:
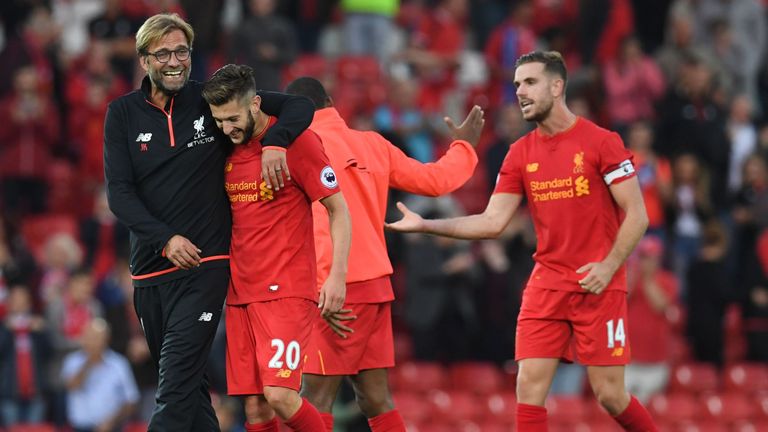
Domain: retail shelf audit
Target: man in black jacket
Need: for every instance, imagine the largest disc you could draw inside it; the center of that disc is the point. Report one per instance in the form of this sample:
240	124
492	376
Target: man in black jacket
164	166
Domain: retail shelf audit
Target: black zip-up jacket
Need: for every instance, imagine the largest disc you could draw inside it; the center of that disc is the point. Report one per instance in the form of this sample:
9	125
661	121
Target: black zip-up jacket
164	169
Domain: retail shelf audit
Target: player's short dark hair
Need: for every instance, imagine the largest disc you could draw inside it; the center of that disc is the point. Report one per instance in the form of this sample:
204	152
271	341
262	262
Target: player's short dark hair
552	60
228	83
311	88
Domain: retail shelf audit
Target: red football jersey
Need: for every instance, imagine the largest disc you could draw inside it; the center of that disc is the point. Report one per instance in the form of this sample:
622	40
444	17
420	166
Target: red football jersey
273	252
565	178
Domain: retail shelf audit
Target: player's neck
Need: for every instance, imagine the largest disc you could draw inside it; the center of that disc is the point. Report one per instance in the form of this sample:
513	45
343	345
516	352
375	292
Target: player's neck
262	121
560	119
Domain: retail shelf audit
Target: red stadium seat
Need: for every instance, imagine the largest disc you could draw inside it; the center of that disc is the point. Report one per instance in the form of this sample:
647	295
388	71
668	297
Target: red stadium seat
566	409
674	408
680	351
419	376
358	69
136	427
494	427
37	229
750	426
746	377
313	65
433	426
477	377
761	403
730	407
403	348
36	427
701	426
586	426
694	378
413	407
501	407
456	406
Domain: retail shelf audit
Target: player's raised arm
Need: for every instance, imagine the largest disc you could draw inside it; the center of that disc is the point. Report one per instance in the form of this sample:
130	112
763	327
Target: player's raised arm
488	224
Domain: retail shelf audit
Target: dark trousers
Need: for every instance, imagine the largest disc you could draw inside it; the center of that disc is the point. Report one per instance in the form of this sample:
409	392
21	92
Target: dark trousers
179	320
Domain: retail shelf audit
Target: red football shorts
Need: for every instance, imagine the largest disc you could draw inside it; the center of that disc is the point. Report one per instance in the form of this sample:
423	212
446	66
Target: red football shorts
266	343
371	346
564	324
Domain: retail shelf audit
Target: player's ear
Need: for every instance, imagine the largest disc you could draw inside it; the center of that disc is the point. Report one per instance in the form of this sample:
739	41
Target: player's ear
557	87
255	104
144	62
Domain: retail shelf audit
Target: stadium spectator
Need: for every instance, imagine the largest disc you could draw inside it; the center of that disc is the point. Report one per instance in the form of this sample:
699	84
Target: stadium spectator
633	84
692	119
434	50
266	42
400	115
25	352
101	391
27	141
652	291
441	286
709	290
368	27
507	42
654	174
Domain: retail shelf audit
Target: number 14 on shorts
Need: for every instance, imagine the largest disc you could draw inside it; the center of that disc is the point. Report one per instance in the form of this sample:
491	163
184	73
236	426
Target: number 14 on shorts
615	334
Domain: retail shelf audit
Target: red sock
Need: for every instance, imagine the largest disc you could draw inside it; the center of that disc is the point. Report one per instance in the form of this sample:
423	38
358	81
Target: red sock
328	420
636	418
270	426
531	418
390	421
306	419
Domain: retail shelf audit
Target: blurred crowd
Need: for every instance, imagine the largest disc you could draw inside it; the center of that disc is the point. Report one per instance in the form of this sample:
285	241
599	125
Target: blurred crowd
685	83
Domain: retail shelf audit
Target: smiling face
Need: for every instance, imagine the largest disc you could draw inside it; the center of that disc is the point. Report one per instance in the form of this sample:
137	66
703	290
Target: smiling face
536	91
236	119
168	77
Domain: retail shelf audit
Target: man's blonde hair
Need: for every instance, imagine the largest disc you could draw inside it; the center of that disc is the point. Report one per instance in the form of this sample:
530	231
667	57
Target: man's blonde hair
157	26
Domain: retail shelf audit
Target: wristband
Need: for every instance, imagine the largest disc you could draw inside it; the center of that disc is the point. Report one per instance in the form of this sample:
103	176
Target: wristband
282	149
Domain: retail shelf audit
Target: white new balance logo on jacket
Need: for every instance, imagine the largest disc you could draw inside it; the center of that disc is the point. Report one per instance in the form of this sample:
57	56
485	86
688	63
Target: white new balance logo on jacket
205	316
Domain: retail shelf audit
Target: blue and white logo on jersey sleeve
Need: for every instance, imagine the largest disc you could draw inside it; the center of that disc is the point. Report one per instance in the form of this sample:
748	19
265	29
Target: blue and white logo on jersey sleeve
328	178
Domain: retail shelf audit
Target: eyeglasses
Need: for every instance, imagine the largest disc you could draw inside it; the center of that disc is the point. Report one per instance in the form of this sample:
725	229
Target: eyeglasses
164	56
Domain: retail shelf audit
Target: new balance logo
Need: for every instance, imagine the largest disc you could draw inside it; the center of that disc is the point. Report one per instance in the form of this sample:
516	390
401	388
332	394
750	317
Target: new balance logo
205	316
144	137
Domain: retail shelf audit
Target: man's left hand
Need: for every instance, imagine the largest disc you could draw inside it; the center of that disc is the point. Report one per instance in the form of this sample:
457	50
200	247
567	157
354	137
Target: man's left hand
599	274
332	296
273	167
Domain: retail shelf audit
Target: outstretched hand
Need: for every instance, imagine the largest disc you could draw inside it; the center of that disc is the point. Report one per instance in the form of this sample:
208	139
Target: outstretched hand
410	222
470	129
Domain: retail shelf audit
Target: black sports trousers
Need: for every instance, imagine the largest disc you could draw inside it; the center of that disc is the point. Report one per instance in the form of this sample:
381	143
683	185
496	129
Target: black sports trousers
179	320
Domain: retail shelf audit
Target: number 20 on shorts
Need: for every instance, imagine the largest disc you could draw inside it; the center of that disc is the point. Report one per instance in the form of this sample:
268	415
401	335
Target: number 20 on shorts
291	351
616	334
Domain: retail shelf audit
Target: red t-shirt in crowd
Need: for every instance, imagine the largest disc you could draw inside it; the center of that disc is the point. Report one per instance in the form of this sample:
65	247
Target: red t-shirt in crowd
650	331
272	254
565	178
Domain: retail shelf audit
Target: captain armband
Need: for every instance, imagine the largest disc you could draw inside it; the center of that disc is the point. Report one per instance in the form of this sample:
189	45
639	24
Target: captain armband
625	169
